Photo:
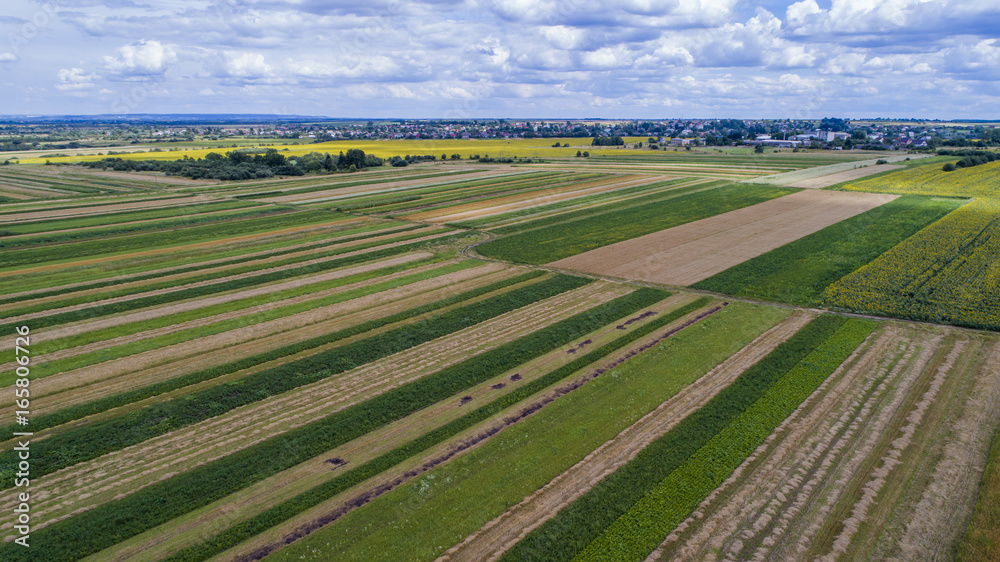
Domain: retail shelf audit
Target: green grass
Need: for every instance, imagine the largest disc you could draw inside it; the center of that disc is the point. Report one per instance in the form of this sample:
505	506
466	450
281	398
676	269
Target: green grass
51	225
577	525
43	370
422	519
72	251
567	239
639	531
92	440
113	522
981	541
799	271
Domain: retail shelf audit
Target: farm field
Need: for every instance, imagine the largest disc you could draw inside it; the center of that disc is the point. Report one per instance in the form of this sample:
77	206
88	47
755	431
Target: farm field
629	356
686	254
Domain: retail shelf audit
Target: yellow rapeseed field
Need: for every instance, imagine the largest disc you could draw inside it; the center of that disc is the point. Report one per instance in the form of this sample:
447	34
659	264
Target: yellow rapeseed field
520	148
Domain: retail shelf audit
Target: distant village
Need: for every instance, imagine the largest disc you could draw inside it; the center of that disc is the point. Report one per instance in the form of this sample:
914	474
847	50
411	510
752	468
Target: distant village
826	133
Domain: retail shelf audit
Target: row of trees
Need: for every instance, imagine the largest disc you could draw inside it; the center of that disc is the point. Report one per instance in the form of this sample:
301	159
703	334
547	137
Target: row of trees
245	165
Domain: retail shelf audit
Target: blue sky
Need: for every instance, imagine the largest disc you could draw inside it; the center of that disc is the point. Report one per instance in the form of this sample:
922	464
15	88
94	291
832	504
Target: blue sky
503	58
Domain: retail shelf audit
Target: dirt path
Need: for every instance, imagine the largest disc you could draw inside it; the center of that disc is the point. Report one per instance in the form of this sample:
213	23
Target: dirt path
490	542
85	485
694	251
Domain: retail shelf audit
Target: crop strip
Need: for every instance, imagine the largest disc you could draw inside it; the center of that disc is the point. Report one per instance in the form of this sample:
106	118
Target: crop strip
113	522
577	525
634	535
319	494
88	442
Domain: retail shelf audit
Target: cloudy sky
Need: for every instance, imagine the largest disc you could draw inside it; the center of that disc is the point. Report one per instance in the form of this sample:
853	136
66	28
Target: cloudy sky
503	58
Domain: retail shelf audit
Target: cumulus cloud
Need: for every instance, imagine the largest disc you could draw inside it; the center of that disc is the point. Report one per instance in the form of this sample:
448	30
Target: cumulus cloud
8	57
74	80
142	58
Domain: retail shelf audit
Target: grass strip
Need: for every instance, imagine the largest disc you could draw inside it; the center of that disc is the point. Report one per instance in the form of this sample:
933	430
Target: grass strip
570	238
80	411
799	271
215	288
650	520
43	370
93	440
51	225
581	522
140	242
608	197
246	268
981	540
105	525
608	207
492	364
367	233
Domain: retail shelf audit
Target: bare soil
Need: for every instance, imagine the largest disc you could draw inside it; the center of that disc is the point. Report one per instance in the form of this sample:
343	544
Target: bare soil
691	252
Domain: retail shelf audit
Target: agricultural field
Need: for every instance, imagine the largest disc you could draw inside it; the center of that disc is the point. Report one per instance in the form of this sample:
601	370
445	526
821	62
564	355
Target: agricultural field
630	356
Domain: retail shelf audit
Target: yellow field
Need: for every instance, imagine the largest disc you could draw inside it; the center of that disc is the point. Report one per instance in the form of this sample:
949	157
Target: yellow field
521	148
977	181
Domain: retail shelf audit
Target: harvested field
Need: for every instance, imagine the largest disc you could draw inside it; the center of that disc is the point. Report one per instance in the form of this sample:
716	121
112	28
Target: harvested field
832	179
503	532
880	463
80	486
689	253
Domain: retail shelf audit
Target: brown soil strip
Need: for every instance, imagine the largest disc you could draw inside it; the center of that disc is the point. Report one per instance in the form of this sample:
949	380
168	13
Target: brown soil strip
494	538
831	179
467	444
691	252
78	487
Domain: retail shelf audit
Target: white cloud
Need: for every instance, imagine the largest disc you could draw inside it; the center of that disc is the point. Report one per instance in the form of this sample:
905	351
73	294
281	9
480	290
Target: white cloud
143	58
74	80
8	57
206	92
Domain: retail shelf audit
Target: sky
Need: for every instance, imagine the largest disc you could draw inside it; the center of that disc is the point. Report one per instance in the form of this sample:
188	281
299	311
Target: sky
456	59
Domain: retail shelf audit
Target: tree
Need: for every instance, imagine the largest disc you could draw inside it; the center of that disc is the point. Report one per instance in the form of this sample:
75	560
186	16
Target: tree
759	149
578	153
